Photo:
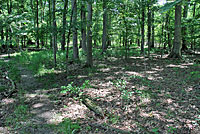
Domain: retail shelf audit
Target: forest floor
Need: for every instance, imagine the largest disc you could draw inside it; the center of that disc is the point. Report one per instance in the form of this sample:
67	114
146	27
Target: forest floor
141	95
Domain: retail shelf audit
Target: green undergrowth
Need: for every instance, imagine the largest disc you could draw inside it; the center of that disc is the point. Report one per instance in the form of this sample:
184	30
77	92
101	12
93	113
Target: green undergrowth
41	62
9	69
68	127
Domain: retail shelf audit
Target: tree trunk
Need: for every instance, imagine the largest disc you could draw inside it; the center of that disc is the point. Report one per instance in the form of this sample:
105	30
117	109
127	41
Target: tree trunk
169	34
149	29
83	27
54	32
153	29
104	36
74	26
50	24
37	24
184	28
142	27
193	28
176	50
166	30
89	35
64	25
162	30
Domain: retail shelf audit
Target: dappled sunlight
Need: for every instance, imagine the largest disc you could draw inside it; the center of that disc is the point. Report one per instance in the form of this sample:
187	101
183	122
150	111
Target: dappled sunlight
7	101
178	66
74	111
99	92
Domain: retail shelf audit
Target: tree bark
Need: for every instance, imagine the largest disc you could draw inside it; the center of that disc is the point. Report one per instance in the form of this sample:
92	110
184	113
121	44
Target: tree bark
193	28
166	30
153	30
104	36
176	50
64	25
74	27
169	34
89	35
149	29
83	27
50	24
54	32
184	28
142	27
37	24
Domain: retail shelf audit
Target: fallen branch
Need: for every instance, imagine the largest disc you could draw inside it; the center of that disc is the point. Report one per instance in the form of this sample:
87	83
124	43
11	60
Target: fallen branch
89	103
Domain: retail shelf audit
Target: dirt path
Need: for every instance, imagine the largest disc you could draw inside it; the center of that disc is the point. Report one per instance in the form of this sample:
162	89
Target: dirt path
41	107
40	110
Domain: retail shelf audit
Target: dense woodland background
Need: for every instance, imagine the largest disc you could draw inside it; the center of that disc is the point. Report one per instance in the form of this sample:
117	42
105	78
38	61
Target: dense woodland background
100	24
100	66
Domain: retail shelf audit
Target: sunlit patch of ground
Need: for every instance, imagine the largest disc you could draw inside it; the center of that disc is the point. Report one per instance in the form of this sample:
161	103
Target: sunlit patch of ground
162	96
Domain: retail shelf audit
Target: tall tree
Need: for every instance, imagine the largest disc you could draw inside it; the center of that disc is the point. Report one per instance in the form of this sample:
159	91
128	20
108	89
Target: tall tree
89	34
74	27
153	29
54	41
184	28
64	24
176	50
142	26
149	27
83	26
104	36
50	23
193	27
37	24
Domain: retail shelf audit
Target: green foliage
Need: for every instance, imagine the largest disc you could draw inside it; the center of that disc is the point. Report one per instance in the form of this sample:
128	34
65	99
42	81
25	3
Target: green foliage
126	95
70	89
155	130
41	62
171	130
20	114
113	118
74	90
122	86
195	75
68	127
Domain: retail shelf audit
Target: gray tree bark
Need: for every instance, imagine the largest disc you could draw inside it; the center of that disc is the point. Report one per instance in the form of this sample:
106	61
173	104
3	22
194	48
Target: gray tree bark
176	50
83	27
142	27
74	29
89	35
64	25
54	41
104	36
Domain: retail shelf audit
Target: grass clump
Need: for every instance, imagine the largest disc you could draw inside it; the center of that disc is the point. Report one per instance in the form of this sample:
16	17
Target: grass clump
68	127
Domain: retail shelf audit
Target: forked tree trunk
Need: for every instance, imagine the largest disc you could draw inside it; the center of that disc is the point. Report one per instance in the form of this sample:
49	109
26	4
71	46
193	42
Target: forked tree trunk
176	50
